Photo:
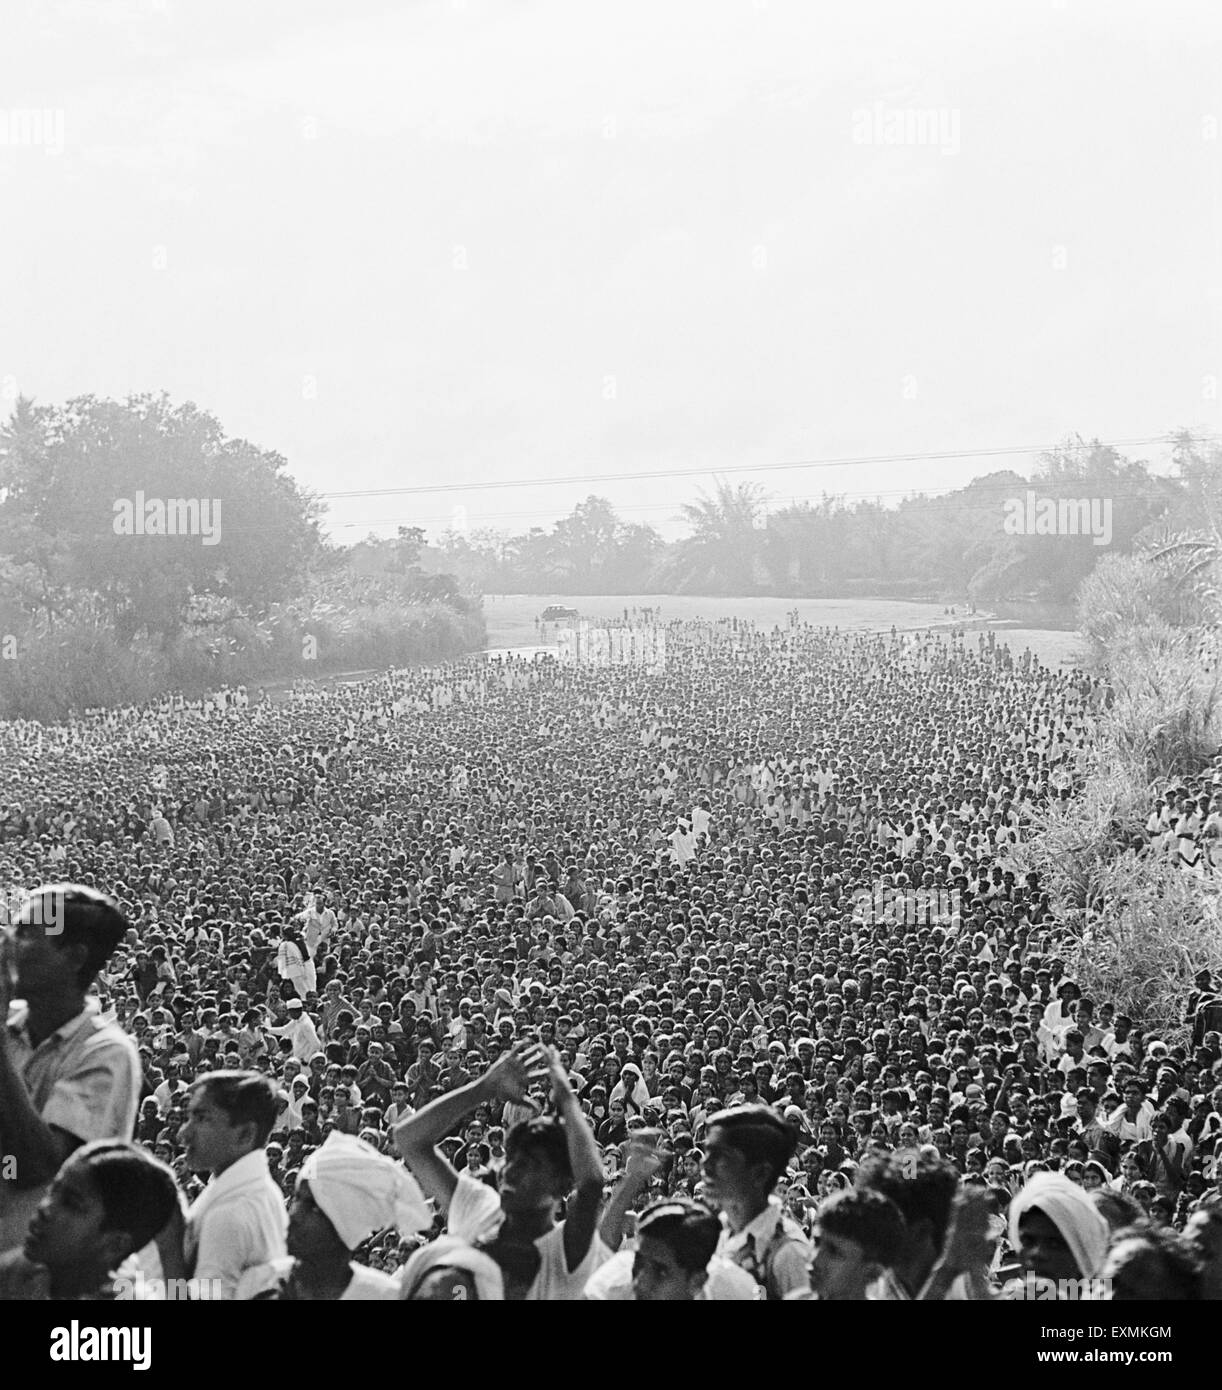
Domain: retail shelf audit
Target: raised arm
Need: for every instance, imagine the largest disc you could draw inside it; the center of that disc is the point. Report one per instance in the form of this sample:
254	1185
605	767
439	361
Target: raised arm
643	1162
585	1160
417	1137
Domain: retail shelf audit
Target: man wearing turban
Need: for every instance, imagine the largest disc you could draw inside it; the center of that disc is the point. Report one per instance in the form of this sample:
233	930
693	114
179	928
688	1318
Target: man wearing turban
346	1192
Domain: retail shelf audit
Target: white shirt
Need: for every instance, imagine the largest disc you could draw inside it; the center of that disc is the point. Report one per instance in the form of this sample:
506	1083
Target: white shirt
788	1264
475	1216
366	1283
237	1222
612	1282
301	1032
84	1079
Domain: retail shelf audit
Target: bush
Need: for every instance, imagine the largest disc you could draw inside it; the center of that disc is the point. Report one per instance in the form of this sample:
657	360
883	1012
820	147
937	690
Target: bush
1133	925
72	666
1156	925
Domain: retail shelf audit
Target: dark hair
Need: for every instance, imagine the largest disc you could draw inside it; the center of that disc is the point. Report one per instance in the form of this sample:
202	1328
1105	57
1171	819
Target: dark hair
688	1229
543	1136
86	917
759	1135
246	1097
923	1189
1181	1269
1118	1209
867	1217
137	1191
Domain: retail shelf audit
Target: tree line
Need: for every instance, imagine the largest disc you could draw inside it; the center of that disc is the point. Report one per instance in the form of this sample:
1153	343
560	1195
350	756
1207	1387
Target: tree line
985	542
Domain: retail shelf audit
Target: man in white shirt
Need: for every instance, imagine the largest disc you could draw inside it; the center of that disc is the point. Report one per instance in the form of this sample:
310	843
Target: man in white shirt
545	1162
67	1076
1130	1122
239	1220
318	923
300	1031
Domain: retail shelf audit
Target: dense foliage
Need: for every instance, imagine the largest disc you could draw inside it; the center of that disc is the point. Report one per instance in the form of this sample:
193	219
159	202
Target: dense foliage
1137	924
955	546
141	550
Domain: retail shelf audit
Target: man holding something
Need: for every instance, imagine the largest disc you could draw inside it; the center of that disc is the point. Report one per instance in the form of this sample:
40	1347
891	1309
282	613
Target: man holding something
548	1160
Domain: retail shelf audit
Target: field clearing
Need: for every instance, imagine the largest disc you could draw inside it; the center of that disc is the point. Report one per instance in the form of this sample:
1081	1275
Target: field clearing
511	617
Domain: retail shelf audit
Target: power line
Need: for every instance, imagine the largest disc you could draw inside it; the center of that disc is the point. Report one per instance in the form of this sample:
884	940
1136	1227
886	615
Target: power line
920	500
920	504
848	461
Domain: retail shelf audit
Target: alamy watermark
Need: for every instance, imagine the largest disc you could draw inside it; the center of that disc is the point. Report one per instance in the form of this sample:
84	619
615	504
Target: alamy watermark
139	1287
908	907
30	127
1033	515
76	1343
1033	1287
935	127
44	909
173	516
591	644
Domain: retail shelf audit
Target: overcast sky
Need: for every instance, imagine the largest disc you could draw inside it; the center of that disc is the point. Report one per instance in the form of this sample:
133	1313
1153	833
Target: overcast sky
463	240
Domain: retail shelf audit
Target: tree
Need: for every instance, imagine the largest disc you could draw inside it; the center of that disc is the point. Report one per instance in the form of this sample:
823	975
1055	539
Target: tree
725	544
97	495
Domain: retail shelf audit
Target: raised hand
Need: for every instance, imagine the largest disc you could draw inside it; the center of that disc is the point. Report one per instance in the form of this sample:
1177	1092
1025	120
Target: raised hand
644	1157
510	1076
970	1241
562	1088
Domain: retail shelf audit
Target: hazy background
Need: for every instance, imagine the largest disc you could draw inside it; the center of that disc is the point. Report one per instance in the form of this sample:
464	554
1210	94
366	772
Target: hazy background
461	241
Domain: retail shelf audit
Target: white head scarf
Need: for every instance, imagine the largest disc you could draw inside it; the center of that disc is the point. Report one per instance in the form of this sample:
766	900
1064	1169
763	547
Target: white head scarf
448	1252
1071	1211
361	1191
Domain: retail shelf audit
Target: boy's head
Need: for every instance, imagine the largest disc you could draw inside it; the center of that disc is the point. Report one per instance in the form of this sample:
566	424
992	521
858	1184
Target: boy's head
675	1241
924	1191
858	1234
229	1115
108	1199
745	1152
537	1172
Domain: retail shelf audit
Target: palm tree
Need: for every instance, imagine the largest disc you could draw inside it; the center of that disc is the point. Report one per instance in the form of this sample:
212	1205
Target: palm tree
1195	551
724	545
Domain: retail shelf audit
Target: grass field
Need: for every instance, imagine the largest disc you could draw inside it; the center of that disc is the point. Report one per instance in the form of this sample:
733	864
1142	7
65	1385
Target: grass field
511	617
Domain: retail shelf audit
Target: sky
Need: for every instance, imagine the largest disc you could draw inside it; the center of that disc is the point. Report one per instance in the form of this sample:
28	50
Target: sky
467	242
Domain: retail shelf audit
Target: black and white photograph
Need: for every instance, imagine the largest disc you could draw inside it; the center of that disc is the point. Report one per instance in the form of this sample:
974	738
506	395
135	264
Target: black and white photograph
610	667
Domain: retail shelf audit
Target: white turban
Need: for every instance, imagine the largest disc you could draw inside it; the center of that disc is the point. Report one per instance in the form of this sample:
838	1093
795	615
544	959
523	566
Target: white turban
361	1191
1071	1211
448	1252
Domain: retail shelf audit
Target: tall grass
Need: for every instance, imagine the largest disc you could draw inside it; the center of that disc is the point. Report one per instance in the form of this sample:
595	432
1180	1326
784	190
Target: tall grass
1133	925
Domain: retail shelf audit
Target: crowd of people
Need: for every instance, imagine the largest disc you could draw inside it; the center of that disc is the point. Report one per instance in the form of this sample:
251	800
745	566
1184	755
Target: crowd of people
521	979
